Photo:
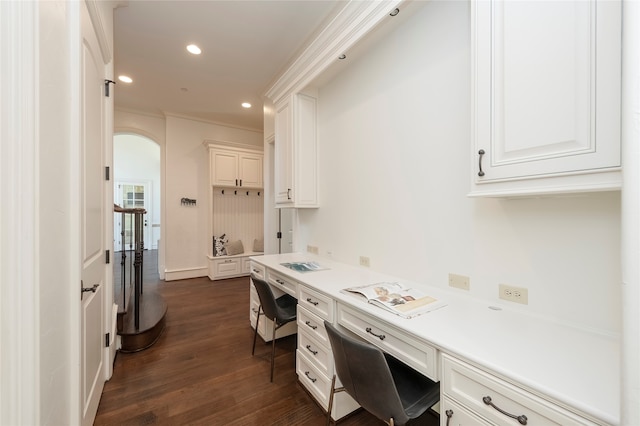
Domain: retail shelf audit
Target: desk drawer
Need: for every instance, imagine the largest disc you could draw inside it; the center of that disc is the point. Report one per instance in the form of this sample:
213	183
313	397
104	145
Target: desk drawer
314	325
409	350
316	303
468	386
257	270
283	283
456	415
320	355
312	378
228	267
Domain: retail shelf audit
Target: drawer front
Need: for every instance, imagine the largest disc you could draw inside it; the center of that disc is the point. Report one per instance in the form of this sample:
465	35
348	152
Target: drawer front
316	303
227	267
454	415
257	270
313	380
469	386
283	283
314	325
406	348
246	265
320	355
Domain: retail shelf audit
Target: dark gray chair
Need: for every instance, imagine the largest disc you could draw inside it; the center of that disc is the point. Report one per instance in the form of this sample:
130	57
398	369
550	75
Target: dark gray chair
382	385
281	310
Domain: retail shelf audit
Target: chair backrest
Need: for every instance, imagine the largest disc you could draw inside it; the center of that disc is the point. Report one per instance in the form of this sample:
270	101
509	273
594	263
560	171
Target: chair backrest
267	298
365	375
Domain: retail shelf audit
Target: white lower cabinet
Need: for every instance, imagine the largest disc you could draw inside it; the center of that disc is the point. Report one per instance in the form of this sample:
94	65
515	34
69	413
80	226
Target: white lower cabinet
471	393
314	358
230	266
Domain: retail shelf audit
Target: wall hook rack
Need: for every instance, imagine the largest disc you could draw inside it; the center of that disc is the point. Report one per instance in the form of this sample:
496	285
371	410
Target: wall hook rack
187	201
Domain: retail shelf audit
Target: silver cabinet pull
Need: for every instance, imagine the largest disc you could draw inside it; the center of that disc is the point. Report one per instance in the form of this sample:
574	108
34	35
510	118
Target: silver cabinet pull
480	154
90	289
379	336
311	350
522	419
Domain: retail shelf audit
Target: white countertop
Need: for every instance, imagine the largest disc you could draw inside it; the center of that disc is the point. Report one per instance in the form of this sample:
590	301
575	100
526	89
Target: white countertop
574	367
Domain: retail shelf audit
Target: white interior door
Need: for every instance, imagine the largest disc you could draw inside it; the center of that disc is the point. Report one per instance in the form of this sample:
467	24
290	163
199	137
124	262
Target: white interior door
131	195
93	222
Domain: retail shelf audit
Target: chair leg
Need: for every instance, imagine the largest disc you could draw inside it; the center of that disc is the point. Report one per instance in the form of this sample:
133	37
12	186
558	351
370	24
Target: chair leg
333	391
255	333
273	348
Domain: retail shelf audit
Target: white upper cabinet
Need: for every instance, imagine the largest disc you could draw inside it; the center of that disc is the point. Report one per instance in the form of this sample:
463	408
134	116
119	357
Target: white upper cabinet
296	152
233	167
545	97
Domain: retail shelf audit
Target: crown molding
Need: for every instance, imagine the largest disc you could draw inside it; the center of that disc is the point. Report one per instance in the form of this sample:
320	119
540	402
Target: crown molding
349	26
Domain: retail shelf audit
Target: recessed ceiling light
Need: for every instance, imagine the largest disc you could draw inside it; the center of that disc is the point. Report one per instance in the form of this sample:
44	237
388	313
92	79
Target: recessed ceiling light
125	79
192	48
246	105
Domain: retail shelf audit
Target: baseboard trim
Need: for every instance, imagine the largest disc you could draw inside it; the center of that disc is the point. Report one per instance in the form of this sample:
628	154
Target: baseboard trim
185	274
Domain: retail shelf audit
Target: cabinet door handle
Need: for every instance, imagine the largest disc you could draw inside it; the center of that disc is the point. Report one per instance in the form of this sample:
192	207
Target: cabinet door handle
240	182
280	282
480	155
288	193
379	336
449	414
312	302
311	350
522	419
306	373
257	271
308	323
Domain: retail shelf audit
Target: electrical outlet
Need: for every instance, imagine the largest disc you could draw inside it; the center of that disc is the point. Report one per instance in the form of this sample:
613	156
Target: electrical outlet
312	249
364	261
514	294
459	281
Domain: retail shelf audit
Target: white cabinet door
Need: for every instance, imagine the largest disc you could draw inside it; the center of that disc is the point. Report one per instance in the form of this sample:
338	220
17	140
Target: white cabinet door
283	173
224	168
296	157
250	170
546	95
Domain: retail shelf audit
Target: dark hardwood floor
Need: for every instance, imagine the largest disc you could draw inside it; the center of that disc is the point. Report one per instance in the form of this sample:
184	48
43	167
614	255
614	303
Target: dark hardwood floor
201	372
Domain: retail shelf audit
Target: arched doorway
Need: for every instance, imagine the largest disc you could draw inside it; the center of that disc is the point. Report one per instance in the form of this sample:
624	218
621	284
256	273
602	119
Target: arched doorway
136	176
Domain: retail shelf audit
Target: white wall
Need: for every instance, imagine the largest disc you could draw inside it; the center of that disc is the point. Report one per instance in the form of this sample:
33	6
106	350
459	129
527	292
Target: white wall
137	159
394	169
187	175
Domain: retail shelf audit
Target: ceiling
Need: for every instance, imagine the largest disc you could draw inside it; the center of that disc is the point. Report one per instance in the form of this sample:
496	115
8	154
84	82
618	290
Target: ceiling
245	46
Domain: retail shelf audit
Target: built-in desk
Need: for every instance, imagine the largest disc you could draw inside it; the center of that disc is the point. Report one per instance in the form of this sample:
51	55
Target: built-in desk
550	372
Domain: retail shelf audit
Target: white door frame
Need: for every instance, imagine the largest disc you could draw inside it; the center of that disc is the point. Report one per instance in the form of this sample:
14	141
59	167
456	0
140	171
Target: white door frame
148	205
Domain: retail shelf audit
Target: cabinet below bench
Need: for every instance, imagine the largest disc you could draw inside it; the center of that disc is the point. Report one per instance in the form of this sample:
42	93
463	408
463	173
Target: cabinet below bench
221	267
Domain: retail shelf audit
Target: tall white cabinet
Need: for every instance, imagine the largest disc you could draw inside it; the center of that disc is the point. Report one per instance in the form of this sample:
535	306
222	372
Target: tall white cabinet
236	204
545	96
296	152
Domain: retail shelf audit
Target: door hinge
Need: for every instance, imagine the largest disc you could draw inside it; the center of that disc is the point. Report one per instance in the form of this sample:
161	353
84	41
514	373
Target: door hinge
107	256
279	234
106	173
106	86
107	340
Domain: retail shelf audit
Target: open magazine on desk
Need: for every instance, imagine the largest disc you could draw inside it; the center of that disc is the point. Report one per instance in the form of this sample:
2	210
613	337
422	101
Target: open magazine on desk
398	299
